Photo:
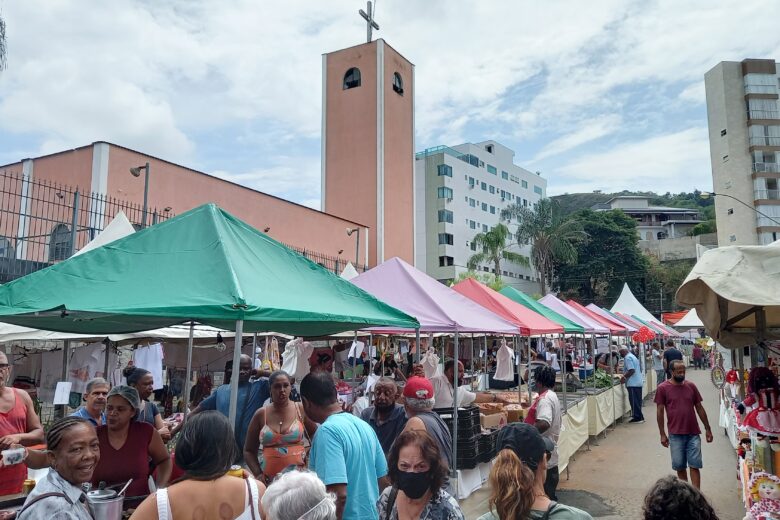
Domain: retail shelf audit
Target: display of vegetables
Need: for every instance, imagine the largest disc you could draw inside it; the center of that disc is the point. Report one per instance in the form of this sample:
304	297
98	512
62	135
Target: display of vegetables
600	379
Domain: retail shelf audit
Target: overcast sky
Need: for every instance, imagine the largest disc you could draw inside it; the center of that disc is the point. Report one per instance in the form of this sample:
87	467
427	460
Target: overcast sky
598	94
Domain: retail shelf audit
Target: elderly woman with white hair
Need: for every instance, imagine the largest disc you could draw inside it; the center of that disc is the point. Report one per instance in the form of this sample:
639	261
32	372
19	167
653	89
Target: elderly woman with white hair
298	495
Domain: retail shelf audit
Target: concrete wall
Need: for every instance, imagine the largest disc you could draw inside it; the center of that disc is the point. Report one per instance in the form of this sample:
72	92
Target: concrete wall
731	162
677	248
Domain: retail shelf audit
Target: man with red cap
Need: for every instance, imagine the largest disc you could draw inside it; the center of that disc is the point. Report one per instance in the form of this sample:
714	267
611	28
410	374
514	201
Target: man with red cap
418	403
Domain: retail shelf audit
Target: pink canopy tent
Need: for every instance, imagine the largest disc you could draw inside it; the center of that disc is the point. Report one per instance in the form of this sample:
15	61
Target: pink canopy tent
590	325
528	322
592	307
613	326
639	323
437	307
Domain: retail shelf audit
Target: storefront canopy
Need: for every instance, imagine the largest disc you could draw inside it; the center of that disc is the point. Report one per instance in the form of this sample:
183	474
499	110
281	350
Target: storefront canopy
613	326
203	265
589	324
437	307
736	293
528	322
628	304
592	307
569	326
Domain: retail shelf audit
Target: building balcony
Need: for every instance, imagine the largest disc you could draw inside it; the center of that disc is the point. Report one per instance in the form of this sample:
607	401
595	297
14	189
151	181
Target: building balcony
765	141
760	89
767	195
763	167
763	114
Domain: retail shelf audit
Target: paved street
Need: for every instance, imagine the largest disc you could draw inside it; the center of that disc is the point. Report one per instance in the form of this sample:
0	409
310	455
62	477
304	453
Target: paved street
611	479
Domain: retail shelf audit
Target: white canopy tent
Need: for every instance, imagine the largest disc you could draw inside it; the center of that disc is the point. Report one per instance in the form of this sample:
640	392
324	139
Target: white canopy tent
736	293
119	227
349	272
689	321
628	304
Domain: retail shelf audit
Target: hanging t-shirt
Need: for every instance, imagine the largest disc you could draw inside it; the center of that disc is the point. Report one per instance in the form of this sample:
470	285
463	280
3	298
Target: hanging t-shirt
151	358
504	364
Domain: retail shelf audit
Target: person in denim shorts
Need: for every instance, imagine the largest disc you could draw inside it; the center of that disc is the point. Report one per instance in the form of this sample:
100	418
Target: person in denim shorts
681	401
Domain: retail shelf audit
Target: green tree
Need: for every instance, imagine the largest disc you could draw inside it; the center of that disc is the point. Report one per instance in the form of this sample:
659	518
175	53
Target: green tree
610	257
495	249
553	239
488	279
663	280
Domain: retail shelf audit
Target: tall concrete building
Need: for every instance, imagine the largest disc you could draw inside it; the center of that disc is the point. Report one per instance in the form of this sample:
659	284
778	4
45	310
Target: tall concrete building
744	131
460	191
368	145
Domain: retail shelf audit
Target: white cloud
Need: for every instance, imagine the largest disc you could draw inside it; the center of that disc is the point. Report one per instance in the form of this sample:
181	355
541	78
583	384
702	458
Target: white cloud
595	129
657	163
164	76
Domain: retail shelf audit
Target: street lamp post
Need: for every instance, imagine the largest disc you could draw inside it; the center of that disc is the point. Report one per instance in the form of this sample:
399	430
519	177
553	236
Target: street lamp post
707	194
136	172
357	243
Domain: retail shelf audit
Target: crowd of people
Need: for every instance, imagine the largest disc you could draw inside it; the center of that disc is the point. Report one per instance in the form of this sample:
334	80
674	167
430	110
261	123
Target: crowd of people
305	456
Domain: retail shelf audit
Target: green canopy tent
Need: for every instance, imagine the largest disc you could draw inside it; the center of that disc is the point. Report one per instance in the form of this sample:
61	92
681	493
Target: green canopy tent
523	299
204	265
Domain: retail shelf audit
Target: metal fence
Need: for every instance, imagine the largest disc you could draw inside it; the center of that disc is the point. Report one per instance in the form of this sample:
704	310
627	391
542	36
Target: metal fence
42	223
331	263
37	218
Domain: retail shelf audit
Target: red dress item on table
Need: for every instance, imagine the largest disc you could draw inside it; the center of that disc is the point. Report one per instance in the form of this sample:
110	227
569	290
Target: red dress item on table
766	418
12	422
129	461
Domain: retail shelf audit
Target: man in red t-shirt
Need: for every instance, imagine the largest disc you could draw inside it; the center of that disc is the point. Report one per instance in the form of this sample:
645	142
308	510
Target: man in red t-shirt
681	401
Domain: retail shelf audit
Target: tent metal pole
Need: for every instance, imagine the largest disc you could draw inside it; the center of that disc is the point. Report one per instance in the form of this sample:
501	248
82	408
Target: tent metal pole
188	379
562	364
65	371
105	361
455	409
472	353
528	365
254	348
354	362
234	379
416	346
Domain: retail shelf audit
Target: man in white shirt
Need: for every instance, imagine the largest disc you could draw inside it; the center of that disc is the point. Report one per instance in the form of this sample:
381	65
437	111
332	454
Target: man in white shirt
545	414
443	390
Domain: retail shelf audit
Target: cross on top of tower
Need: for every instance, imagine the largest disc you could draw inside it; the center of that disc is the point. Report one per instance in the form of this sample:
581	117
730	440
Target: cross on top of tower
368	16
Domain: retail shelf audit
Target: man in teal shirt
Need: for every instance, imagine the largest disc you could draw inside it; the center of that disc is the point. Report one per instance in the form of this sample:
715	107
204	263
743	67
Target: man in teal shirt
632	378
345	452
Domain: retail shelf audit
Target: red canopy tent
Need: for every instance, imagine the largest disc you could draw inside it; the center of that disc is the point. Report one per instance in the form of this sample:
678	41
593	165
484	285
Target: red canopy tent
670	318
614	327
528	322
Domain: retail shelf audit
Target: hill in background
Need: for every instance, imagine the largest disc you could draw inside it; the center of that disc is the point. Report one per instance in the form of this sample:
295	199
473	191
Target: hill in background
572	202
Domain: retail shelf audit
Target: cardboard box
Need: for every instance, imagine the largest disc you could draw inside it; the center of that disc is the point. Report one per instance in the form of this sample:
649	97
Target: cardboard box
490	408
516	414
494	420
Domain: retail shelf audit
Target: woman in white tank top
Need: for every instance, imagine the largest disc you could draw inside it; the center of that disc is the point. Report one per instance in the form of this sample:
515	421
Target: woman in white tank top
207	490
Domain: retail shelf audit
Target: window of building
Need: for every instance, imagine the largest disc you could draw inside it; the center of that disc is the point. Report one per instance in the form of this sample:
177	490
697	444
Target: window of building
732	238
446	261
730	211
472	224
492	169
493	210
484	206
504	175
471	182
525	203
59	243
485	269
445	239
514	178
444	192
466	199
489	148
444	170
492	189
445	215
484	228
352	78
524	184
723	132
483	185
6	249
538	190
473	246
398	84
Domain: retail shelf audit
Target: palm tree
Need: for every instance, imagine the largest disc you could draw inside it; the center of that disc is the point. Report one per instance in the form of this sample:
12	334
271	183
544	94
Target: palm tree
495	249
553	239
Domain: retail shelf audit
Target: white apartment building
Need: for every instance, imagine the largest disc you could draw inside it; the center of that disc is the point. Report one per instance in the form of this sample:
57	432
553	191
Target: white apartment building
744	131
459	192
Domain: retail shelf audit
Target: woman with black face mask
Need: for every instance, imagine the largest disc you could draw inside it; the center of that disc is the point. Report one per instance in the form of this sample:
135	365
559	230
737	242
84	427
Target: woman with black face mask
416	471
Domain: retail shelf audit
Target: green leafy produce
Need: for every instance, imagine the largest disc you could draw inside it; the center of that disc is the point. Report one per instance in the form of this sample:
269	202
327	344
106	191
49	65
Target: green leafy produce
600	379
